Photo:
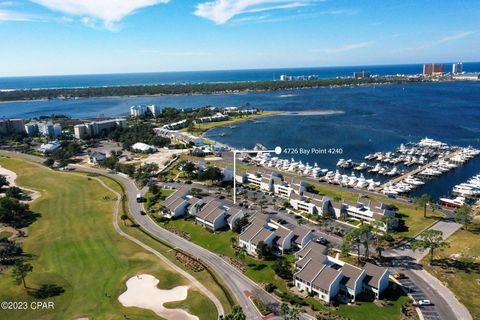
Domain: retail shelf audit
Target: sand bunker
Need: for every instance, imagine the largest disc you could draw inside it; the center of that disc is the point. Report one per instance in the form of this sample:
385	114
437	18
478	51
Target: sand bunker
11	177
142	292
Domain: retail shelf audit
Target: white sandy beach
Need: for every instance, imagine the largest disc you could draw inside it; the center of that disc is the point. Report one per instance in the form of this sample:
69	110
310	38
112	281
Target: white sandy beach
142	292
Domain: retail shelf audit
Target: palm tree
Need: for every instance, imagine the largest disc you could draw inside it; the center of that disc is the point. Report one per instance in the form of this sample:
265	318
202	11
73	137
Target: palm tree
241	254
422	202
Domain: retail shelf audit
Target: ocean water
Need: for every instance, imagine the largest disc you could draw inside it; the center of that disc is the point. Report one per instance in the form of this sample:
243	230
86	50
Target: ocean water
71	81
358	120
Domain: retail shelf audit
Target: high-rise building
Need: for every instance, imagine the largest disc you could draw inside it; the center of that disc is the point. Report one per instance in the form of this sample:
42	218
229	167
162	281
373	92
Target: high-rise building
433	69
9	126
457	68
142	110
31	128
361	74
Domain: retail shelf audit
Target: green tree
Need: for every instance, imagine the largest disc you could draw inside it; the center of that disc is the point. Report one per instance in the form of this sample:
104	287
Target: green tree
422	202
20	270
241	254
282	268
262	251
124	218
3	182
236	314
365	231
9	251
464	216
284	308
430	240
352	238
14	192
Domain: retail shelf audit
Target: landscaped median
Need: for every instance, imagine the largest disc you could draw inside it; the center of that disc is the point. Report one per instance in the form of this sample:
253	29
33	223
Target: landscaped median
73	245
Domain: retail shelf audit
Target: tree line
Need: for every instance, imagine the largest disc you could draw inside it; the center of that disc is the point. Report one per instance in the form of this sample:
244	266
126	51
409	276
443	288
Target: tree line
192	88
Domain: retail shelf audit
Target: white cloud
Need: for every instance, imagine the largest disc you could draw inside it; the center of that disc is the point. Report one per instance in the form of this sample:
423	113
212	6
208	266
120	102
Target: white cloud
108	12
8	15
344	48
221	11
443	40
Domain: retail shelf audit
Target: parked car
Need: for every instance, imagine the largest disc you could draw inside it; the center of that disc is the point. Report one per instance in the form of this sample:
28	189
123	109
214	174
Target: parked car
399	275
424	302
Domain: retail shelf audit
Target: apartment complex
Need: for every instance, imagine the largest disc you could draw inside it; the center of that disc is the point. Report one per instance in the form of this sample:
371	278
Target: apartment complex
97	128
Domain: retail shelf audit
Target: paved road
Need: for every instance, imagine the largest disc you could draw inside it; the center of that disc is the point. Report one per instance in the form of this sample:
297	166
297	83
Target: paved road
423	284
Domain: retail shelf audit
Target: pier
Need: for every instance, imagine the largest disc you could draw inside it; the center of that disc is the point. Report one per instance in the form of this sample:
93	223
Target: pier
418	170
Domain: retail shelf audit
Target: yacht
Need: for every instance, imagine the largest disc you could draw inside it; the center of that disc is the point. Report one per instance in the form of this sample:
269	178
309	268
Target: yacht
457	202
361	166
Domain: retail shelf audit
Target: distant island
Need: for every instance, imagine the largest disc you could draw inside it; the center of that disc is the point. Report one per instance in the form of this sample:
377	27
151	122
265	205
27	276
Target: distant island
195	88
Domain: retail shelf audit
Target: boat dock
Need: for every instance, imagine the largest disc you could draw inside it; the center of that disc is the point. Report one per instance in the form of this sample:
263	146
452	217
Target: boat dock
418	170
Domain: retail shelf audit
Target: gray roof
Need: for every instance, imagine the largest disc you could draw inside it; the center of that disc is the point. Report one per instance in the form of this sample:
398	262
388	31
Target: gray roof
351	275
326	277
282	233
179	194
374	274
263	235
250	232
300	232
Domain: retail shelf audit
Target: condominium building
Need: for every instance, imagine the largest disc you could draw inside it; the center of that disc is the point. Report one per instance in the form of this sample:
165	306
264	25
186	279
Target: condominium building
143	110
97	128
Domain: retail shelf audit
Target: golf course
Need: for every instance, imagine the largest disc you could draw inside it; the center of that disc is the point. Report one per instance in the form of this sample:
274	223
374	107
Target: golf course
74	246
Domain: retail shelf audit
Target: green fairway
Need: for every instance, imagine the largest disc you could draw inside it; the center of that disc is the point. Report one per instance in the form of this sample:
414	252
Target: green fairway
73	245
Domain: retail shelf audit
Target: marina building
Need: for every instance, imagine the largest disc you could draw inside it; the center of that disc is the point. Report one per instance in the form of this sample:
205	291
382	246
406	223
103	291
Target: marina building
9	126
97	128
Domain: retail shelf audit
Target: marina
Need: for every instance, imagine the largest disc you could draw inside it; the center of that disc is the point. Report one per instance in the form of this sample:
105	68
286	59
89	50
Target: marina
399	172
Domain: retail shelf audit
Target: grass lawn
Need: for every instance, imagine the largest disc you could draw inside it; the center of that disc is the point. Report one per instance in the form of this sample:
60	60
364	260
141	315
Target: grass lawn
458	267
73	245
202	127
369	310
219	243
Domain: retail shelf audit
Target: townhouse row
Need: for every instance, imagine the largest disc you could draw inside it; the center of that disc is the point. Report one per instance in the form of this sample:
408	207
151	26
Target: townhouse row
208	211
327	278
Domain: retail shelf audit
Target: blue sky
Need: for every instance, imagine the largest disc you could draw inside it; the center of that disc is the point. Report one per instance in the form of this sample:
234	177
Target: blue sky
41	37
